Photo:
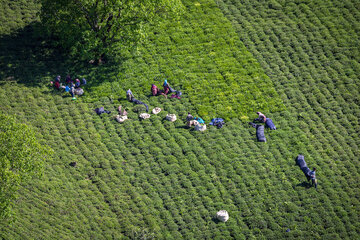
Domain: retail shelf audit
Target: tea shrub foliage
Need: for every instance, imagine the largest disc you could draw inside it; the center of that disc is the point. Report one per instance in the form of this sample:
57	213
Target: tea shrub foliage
157	179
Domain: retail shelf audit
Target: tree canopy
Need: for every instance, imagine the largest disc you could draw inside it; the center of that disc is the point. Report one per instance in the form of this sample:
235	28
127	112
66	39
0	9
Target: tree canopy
21	156
93	29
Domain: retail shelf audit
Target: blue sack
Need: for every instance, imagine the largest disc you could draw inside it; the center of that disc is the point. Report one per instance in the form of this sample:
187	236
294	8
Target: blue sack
67	89
269	123
260	133
218	122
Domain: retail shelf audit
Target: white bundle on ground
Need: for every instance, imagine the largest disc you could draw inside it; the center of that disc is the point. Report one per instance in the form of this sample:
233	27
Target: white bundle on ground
171	117
144	115
199	127
120	118
222	215
79	91
156	110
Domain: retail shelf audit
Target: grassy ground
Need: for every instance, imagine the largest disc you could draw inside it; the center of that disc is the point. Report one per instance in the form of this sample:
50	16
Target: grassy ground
158	179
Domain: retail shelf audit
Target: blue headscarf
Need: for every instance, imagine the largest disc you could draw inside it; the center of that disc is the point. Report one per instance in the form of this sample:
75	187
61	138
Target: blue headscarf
165	82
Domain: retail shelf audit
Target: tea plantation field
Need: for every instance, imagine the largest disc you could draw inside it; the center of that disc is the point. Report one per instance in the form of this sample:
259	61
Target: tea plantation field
297	61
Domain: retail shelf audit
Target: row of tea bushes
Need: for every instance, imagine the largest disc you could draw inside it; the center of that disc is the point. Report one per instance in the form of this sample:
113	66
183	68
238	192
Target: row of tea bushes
310	64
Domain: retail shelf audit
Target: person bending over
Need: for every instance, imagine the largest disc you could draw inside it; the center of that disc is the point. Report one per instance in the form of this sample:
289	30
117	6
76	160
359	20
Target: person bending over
261	118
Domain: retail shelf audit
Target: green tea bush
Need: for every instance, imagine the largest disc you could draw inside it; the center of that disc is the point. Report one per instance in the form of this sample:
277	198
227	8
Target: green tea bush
131	173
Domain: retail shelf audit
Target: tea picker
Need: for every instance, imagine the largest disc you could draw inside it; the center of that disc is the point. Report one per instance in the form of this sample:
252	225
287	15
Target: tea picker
156	91
71	89
57	82
310	175
168	89
261	118
131	98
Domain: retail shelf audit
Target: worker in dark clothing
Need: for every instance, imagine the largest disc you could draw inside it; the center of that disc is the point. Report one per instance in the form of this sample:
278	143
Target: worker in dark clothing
189	119
312	177
57	82
77	83
72	90
68	79
130	96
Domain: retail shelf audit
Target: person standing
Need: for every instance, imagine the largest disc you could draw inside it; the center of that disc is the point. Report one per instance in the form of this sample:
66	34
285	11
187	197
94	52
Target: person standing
189	119
313	178
72	91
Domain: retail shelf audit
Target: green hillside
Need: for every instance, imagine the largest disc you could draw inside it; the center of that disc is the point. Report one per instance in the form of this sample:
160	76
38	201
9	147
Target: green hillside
295	60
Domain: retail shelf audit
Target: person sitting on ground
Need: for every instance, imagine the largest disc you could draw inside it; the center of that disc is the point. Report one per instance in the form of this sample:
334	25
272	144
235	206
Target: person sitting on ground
68	79
166	87
195	121
57	82
156	92
312	177
77	83
261	118
122	112
189	119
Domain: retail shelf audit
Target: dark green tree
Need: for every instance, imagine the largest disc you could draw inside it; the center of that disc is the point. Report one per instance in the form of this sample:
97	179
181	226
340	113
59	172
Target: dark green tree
21	157
94	29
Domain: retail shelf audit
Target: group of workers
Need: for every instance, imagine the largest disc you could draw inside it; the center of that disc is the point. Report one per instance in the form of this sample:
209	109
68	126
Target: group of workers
70	86
157	92
191	120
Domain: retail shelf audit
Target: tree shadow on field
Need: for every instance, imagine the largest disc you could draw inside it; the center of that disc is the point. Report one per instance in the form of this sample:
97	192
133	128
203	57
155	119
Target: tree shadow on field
27	57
